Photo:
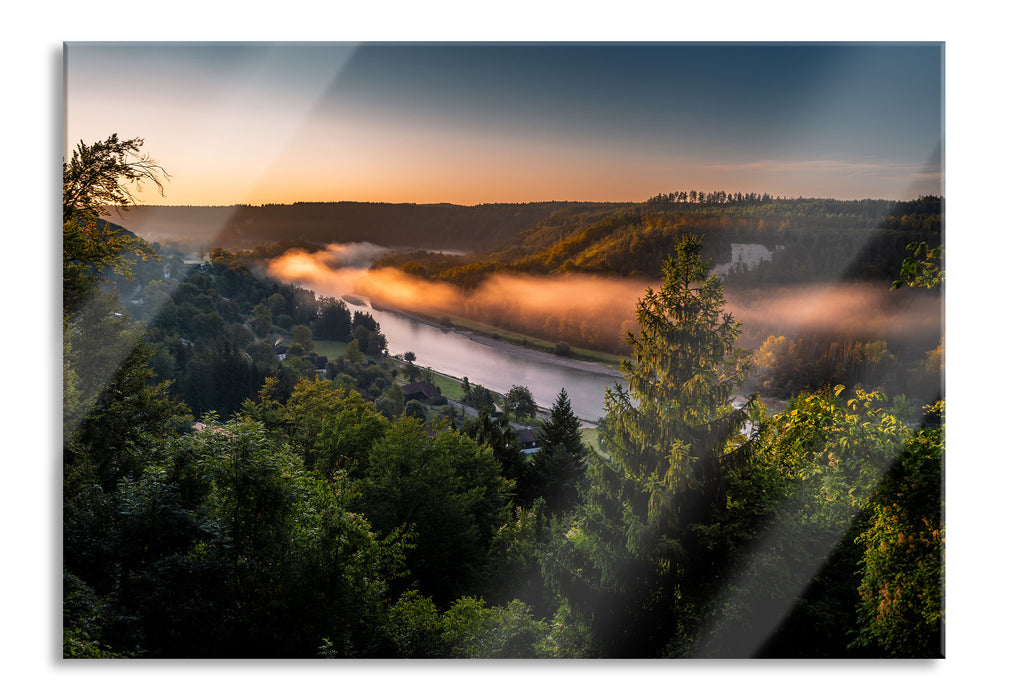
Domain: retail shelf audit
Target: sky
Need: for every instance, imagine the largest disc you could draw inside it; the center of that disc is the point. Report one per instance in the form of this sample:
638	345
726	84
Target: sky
466	123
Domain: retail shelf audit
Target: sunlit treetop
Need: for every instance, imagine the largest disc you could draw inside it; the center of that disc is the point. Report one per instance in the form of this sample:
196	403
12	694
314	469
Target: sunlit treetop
99	176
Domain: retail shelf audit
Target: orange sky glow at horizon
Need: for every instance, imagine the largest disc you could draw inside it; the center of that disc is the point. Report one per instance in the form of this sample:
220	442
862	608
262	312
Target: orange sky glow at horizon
275	124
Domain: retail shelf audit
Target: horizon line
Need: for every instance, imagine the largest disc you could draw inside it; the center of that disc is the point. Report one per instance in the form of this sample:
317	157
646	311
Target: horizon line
774	198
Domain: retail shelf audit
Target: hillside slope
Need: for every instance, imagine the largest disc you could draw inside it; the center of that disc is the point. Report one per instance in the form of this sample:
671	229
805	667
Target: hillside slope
440	226
810	240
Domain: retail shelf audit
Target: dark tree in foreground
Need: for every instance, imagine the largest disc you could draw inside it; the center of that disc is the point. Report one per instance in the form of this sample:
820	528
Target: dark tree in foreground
97	178
559	466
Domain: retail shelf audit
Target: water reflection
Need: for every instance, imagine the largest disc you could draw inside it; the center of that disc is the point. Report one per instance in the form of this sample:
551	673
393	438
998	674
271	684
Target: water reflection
496	366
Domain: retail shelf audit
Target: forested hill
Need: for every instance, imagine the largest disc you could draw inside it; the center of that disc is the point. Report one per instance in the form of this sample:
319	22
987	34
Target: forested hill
442	226
809	239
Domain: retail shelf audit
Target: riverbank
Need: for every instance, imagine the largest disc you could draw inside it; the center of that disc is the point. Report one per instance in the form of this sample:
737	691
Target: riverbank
498	337
544	357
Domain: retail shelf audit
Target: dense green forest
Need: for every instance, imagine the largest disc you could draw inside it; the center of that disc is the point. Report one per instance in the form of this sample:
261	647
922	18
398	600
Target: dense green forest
224	499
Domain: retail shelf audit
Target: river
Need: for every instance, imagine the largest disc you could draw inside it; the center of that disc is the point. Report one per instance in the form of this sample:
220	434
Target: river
496	365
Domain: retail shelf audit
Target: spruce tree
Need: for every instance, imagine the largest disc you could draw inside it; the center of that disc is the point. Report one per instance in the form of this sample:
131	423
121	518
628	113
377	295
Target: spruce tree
634	565
560	464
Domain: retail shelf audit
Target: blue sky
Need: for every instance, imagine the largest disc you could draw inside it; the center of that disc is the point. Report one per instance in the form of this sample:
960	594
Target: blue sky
483	122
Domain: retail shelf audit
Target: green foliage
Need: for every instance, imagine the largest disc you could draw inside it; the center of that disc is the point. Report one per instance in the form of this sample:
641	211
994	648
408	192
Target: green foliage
393	402
468	629
903	568
95	341
333	428
415	628
250	494
922	267
322	521
333	322
302	335
670	438
415	409
477	396
271	558
447	491
767	355
85	616
862	239
633	564
841	448
127	425
513	563
559	466
473	630
568	638
368	334
93	251
806	364
97	178
796	513
353	352
499	436
519	402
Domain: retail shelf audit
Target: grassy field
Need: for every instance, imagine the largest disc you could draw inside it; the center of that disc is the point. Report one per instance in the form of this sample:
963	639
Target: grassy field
590	436
450	386
330	348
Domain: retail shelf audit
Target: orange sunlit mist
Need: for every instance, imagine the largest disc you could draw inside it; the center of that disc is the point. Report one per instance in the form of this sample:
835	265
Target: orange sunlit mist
579	309
851	309
597	312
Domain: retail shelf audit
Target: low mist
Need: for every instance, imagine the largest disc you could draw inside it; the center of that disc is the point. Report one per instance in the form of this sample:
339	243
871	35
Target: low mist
597	312
579	309
846	309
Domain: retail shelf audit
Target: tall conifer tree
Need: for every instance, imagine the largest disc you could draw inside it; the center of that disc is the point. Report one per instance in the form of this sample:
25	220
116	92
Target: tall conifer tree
560	463
634	566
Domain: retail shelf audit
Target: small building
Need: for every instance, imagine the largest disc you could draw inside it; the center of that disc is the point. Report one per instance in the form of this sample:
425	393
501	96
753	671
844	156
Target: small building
319	361
529	440
420	391
745	256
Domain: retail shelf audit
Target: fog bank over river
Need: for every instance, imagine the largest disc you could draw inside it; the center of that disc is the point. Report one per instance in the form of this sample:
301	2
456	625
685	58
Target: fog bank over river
832	308
495	365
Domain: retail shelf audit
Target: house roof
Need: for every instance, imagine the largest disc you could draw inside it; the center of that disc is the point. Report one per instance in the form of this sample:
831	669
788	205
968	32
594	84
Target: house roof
425	388
527	435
